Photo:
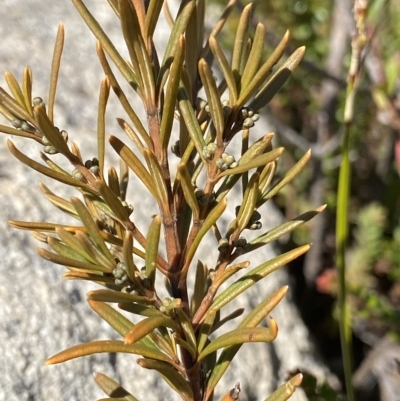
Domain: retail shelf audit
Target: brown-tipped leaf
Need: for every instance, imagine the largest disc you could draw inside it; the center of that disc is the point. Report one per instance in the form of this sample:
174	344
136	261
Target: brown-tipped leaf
146	326
241	336
113	388
106	346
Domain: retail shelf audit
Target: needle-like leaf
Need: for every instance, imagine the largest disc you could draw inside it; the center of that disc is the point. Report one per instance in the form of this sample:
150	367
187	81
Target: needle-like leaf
153	242
286	179
241	336
174	78
146	326
171	376
213	98
113	388
255	275
55	69
101	122
285	391
106	43
106	346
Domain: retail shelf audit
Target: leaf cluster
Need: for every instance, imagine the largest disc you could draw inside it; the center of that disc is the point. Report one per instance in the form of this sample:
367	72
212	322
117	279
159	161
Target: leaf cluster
106	247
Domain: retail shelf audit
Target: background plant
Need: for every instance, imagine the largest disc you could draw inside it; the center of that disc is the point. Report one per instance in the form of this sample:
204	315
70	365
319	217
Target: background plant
102	249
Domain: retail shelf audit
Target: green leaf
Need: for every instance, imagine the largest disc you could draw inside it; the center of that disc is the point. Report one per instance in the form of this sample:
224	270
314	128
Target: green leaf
205	330
106	43
115	319
255	275
253	319
39	226
113	388
213	98
17	132
15	108
14	88
152	16
239	55
65	261
199	287
106	346
249	202
187	328
225	69
27	89
146	326
263	72
59	202
178	30
112	201
171	376
153	242
256	149
92	228
141	310
137	49
283	229
211	219
101	122
52	134
65	179
158	179
117	296
127	247
241	336
255	56
286	179
172	92
97	278
55	69
258	161
191	122
122	97
285	391
188	190
74	243
134	163
269	90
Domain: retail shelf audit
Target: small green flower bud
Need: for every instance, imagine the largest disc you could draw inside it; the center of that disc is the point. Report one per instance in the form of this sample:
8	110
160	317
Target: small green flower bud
94	170
220	162
234	165
45	141
229	159
256	117
38	101
207	108
212	147
64	134
248	123
16	122
255	226
49	149
77	174
250	113
27	127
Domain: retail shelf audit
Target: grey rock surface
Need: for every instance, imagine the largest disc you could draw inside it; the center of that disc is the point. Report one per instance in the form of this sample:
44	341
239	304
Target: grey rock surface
40	314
